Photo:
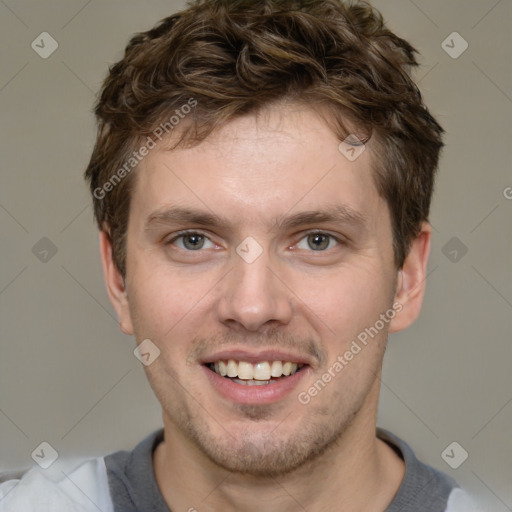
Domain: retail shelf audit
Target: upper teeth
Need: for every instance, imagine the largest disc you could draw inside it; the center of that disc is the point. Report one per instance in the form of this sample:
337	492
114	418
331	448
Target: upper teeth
259	371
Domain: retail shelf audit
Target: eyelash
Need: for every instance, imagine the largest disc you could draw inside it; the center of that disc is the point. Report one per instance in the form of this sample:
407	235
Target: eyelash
182	234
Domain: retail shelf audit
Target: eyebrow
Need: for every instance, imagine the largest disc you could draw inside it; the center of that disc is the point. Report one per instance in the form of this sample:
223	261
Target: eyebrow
337	214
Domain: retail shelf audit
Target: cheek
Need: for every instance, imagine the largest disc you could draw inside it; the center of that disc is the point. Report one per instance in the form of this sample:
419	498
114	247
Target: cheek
164	303
346	302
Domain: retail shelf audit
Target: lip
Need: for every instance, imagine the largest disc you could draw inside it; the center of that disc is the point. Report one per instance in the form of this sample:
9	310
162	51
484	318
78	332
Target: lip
254	358
266	394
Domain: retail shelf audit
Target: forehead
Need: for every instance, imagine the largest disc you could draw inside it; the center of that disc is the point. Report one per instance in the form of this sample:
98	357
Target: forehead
259	167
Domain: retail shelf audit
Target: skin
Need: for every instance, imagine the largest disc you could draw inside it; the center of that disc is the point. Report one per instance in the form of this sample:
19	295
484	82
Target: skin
254	171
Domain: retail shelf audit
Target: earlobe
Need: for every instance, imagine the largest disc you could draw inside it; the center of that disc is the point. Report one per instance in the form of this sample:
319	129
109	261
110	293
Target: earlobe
411	280
115	284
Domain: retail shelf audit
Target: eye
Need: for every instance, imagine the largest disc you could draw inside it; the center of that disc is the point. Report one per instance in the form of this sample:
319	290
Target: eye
318	242
192	241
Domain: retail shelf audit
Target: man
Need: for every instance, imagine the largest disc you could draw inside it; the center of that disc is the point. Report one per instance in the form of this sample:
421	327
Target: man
261	180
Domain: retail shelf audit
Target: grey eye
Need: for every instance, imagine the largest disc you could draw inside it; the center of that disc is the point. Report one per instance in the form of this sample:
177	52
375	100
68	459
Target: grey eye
317	242
192	242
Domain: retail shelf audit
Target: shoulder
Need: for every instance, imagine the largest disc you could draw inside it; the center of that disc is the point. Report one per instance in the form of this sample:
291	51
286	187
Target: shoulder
82	489
131	477
461	501
424	488
122	481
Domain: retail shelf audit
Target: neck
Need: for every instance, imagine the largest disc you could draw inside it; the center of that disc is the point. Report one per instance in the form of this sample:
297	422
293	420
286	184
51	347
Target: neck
359	472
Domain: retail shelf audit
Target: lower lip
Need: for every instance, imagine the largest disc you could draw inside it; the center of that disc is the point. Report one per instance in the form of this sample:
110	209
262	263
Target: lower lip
265	394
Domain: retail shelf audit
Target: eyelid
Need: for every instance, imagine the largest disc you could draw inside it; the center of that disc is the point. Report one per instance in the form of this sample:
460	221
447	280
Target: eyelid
340	239
179	234
175	236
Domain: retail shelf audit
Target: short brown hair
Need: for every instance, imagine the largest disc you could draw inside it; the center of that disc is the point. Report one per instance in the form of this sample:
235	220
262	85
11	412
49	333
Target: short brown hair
230	58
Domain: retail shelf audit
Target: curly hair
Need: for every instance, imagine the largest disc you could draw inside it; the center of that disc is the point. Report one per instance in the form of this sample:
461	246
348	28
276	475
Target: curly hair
230	58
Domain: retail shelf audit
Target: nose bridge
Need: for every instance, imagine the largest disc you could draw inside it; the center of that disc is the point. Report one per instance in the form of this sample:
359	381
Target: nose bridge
253	295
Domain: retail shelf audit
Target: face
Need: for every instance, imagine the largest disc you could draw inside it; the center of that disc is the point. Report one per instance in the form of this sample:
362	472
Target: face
254	262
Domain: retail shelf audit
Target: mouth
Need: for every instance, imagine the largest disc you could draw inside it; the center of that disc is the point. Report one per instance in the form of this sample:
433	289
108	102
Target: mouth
262	373
250	379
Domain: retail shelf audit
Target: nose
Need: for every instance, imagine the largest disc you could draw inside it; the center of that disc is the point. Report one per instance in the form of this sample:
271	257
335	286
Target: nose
254	295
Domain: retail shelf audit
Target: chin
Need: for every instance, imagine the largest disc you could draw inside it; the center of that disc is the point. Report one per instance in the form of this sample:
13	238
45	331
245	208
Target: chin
272	453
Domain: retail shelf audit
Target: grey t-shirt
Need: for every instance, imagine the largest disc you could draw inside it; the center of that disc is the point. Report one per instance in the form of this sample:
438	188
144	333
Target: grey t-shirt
133	487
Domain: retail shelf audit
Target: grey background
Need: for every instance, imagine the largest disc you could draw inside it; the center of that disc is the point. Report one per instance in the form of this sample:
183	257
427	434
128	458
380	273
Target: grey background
67	374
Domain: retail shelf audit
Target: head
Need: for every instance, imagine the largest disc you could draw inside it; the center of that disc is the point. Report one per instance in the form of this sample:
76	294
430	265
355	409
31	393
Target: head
229	120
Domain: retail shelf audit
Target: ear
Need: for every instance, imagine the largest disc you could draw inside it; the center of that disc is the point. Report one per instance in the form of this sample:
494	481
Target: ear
412	281
115	284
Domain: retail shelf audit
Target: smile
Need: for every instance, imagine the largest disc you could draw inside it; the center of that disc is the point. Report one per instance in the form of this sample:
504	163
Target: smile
258	374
